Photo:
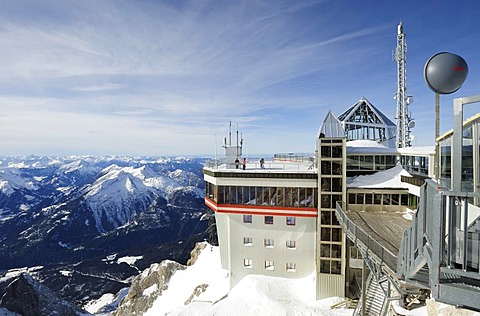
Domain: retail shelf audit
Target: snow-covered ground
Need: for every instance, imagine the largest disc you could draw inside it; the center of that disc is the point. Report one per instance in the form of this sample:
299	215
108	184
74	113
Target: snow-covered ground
254	295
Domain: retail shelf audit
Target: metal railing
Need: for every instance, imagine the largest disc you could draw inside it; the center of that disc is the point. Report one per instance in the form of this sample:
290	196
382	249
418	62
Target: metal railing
368	246
444	239
285	165
295	157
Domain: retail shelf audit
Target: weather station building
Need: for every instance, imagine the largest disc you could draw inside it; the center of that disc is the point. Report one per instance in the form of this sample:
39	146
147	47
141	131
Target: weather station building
278	218
370	216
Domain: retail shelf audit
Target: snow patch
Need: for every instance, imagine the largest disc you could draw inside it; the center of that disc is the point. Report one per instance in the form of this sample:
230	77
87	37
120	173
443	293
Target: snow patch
66	273
12	273
110	257
150	290
130	260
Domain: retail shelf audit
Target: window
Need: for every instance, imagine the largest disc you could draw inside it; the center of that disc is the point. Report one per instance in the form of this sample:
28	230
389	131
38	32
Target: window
247	241
290	220
247	218
269	265
291	244
268	243
269	220
291	267
247	263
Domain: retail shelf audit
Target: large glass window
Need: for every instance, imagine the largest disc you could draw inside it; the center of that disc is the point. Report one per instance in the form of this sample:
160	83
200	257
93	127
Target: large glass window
266	196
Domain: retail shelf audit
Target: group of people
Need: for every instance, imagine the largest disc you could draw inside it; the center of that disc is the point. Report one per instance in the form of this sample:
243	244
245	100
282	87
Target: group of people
244	163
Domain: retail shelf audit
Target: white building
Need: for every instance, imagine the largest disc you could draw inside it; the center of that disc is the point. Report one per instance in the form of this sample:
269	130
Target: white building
279	218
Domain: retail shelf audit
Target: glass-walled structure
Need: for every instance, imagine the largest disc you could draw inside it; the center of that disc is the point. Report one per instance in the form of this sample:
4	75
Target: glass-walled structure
261	195
364	121
363	163
470	156
418	161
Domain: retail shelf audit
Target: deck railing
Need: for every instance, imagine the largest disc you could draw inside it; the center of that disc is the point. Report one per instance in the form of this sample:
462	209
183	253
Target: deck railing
441	249
367	245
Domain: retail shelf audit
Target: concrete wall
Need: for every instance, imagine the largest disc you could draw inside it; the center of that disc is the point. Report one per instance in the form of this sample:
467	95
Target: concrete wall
303	256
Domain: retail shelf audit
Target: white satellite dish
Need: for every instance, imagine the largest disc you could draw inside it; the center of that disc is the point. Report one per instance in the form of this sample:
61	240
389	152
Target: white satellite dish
409	100
411	138
411	124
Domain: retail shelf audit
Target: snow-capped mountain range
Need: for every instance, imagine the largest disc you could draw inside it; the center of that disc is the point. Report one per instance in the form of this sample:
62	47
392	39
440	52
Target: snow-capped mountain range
69	213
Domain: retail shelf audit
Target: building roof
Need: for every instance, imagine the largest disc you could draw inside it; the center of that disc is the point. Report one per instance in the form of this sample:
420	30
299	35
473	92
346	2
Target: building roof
373	114
331	127
365	146
386	179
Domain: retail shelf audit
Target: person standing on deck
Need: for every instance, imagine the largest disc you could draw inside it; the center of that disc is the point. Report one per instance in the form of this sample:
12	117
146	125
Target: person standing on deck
244	163
237	163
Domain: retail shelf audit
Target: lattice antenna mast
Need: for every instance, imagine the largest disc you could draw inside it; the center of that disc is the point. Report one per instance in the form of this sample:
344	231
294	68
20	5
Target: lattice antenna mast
404	122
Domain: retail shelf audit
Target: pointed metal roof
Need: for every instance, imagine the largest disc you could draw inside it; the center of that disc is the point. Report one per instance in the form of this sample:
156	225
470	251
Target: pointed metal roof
331	127
364	112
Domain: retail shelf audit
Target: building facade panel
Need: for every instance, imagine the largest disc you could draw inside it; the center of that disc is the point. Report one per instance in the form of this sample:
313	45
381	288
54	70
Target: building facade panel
271	251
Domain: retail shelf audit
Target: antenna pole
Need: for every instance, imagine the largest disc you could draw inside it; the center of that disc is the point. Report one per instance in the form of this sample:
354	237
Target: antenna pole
230	134
403	100
437	116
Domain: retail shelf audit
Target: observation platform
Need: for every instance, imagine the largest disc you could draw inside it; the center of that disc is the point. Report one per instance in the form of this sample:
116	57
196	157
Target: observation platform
380	233
282	163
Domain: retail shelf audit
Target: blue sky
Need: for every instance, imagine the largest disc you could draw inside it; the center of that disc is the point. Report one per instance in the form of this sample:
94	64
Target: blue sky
164	77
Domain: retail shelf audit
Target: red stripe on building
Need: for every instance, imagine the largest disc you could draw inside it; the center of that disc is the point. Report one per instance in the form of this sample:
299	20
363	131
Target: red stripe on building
259	210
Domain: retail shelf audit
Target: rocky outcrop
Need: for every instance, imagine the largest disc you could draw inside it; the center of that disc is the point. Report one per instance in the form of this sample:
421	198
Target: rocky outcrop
196	292
199	246
146	287
149	285
27	297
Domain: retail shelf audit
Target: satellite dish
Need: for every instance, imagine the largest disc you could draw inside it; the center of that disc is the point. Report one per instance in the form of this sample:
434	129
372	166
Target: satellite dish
411	138
409	100
411	124
445	72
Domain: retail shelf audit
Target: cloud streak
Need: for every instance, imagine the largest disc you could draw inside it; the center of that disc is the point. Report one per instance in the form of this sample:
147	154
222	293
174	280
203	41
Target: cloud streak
162	77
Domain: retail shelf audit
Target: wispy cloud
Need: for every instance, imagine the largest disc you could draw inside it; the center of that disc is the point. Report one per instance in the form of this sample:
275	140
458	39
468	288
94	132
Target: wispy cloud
174	73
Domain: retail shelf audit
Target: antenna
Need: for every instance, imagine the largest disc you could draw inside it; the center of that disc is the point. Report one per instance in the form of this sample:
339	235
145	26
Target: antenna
230	134
403	100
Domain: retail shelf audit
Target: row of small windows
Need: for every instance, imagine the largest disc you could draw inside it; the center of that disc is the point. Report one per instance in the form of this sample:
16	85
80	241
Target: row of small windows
289	220
371	162
270	265
269	243
265	196
378	199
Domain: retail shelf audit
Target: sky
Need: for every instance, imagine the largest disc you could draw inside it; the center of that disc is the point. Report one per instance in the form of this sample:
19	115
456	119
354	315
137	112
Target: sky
155	78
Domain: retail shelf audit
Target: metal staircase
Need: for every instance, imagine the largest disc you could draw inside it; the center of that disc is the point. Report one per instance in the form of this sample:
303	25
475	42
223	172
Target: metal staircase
441	250
375	298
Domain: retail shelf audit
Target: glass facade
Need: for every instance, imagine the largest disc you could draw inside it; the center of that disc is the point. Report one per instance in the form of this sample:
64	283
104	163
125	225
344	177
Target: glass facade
379	198
265	196
415	164
370	162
